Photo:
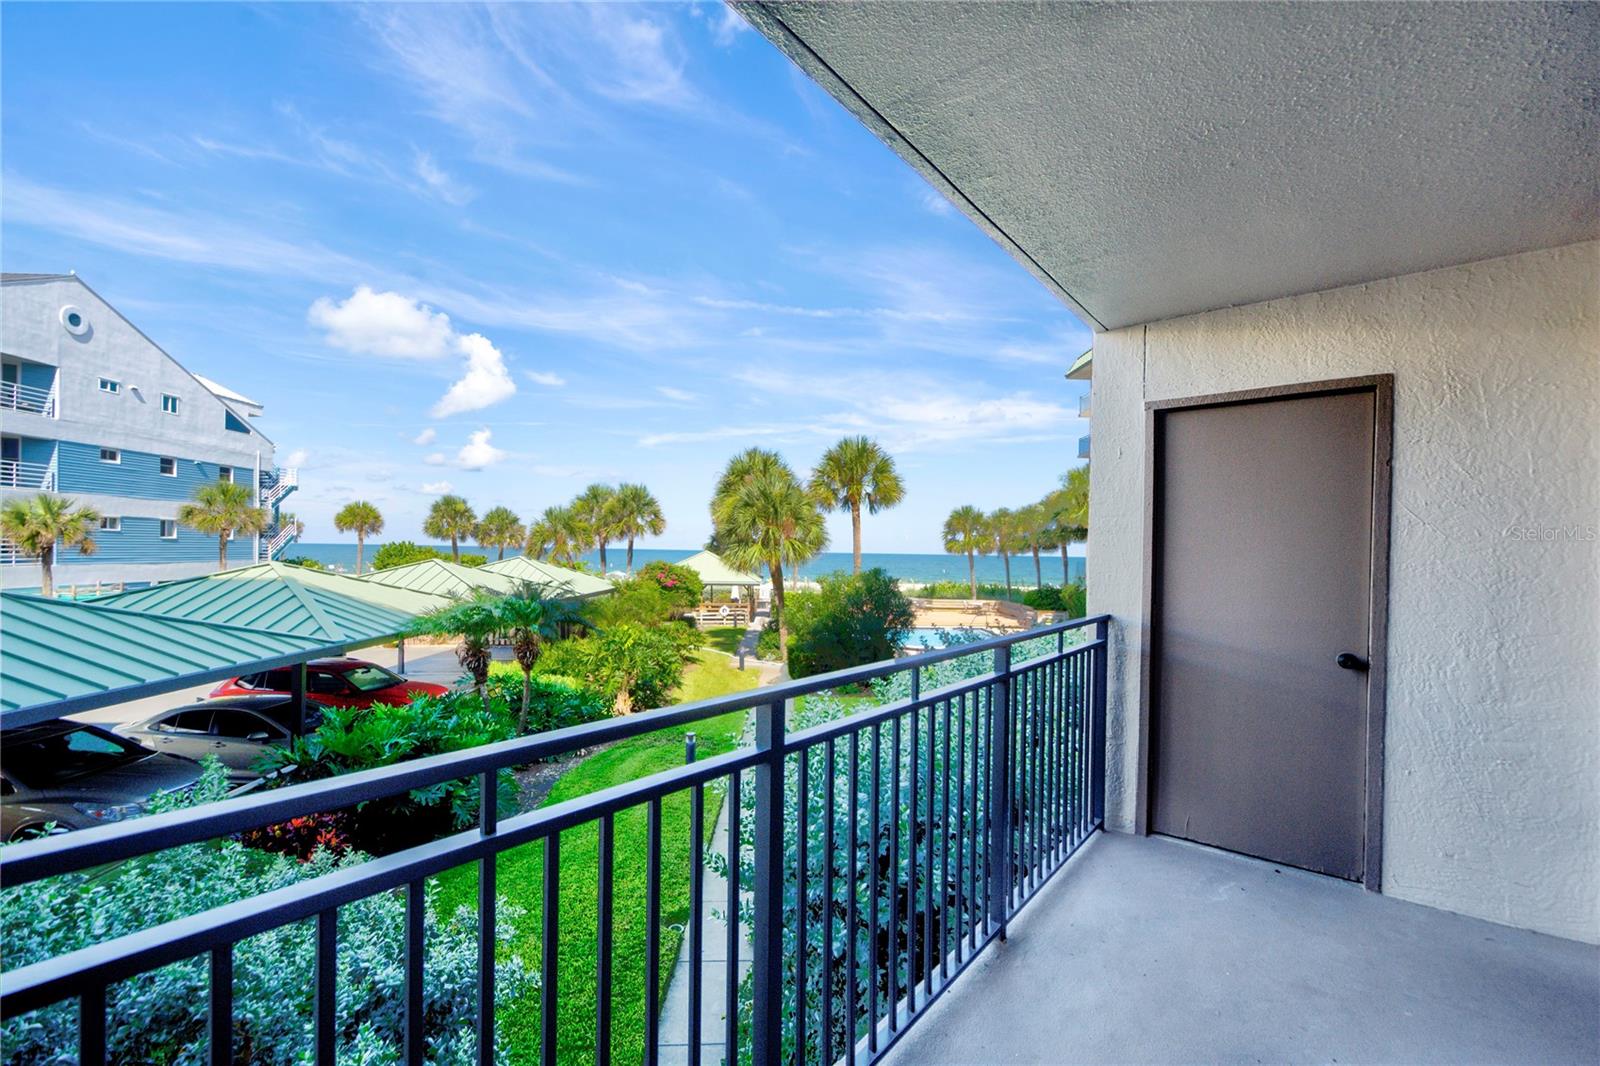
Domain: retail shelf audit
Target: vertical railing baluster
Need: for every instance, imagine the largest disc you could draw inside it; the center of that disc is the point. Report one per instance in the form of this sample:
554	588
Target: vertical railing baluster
92	1027
219	1018
326	996
1097	737
766	1043
828	769
852	960
962	825
697	894
1036	755
927	888
944	851
603	936
549	971
895	810
913	896
416	947
730	1034
975	824
652	936
875	882
802	896
999	845
488	820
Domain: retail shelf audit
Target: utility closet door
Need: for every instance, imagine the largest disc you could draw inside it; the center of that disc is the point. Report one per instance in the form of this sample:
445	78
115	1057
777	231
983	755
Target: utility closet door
1263	579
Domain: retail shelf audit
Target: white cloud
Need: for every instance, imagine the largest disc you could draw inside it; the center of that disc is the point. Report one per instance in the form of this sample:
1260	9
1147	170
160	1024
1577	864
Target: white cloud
476	454
937	204
297	457
427	436
548	380
485	383
678	395
385	324
727	25
438	182
436	488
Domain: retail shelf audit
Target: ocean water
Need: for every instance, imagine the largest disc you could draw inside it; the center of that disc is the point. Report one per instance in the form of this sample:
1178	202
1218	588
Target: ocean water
904	565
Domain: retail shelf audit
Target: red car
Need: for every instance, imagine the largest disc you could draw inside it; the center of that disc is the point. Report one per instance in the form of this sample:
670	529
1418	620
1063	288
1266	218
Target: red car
336	682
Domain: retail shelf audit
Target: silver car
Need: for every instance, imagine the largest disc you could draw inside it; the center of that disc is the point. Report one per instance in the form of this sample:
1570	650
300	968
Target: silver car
238	730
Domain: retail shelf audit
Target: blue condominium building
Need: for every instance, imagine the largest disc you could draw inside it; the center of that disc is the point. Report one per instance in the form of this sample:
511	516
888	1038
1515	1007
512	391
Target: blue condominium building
94	410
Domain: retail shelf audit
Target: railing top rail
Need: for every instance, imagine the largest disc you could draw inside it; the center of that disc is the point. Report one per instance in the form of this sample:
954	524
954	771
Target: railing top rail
86	848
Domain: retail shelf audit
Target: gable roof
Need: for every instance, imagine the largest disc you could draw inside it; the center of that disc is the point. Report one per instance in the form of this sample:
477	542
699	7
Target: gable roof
714	571
441	577
549	578
65	656
274	597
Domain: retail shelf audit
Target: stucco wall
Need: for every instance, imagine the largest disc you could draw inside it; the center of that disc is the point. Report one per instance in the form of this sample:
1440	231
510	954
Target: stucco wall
1492	772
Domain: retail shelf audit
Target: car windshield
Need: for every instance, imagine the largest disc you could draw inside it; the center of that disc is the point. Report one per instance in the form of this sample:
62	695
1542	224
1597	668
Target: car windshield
58	758
369	678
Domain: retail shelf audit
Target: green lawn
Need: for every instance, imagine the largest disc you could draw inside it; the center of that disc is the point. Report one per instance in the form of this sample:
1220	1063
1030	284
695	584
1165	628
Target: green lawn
520	880
725	638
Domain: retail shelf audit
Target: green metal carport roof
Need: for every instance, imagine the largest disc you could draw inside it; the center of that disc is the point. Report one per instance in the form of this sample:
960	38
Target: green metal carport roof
441	577
550	579
60	656
328	608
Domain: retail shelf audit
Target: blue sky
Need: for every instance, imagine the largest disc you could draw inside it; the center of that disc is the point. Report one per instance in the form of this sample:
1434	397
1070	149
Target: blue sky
514	250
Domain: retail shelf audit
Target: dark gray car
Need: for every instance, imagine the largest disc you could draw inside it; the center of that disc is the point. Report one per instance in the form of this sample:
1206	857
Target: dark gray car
71	776
236	729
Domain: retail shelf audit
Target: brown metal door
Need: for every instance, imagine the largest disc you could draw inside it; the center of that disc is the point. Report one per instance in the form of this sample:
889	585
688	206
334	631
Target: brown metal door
1262	579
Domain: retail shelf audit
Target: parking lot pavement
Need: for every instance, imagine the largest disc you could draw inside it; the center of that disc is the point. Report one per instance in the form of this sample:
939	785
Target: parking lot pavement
424	662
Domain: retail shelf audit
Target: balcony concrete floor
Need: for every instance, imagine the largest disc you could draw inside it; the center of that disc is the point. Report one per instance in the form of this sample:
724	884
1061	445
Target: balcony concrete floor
1150	950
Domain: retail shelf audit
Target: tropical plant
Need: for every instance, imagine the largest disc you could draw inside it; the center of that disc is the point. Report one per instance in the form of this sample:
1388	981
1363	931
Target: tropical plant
500	528
362	519
1038	534
224	509
768	518
475	621
595	509
966	532
290	520
402	553
856	472
1007	535
1069	512
37	525
636	666
153	1016
638	514
450	518
531	620
850	620
558	536
683	586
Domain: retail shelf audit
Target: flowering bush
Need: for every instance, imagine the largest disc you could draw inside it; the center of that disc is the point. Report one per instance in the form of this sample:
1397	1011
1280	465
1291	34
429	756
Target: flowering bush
682	584
159	1017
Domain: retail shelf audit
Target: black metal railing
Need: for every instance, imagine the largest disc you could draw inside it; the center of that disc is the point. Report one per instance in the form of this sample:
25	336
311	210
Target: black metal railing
870	857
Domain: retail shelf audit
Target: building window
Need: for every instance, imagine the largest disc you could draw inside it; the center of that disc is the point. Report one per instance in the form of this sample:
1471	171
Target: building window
225	473
169	466
169	403
111	524
169	529
232	422
110	385
110	455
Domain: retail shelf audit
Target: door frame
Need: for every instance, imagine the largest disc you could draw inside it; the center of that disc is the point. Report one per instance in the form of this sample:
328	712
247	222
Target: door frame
1381	386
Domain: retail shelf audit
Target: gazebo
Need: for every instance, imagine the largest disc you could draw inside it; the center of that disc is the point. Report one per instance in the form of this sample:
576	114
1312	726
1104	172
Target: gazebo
730	595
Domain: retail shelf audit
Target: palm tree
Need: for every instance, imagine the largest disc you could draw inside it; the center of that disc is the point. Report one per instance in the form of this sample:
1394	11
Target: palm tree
1007	533
450	518
223	509
362	519
1069	511
500	528
532	619
966	532
557	536
768	517
475	621
1036	536
743	469
596	508
638	514
36	526
853	472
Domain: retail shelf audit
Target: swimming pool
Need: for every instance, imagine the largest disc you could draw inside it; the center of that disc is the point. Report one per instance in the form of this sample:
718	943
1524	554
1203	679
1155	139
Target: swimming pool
930	638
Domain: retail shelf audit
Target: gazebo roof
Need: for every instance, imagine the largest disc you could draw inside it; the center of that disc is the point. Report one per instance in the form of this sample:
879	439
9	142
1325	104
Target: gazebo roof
713	571
549	578
441	577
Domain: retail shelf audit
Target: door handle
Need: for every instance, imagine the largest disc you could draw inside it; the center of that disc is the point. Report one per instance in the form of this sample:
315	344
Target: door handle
1350	661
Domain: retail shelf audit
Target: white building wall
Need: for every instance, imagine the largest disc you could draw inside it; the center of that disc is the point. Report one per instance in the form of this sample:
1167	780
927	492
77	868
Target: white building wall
1492	772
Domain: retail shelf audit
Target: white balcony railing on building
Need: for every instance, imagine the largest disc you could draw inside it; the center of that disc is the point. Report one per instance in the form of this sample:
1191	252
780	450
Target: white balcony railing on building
30	398
271	546
15	474
11	555
277	484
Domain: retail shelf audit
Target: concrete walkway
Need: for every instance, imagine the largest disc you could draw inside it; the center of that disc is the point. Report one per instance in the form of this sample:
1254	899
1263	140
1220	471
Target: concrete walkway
1151	950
